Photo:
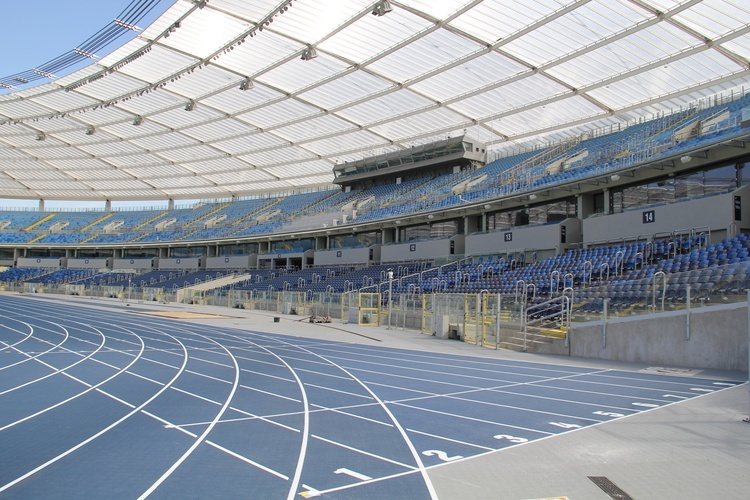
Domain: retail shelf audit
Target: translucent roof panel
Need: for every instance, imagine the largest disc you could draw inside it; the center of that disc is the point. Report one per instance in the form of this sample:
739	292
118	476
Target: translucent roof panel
241	97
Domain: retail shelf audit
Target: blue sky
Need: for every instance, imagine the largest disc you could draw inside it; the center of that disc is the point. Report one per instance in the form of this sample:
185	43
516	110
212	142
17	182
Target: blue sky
33	32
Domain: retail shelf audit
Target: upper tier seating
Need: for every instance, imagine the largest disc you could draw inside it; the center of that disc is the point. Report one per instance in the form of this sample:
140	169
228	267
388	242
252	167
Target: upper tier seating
560	163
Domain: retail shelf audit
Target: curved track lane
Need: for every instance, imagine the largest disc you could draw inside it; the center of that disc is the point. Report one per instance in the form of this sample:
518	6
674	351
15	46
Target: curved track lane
101	401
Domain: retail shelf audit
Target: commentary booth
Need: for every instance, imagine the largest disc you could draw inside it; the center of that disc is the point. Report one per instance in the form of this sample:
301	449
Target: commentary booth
547	239
348	256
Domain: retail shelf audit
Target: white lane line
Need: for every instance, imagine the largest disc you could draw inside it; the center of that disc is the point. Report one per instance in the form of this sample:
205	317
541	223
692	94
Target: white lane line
598	393
115	398
331	389
306	412
196	396
661	380
633	387
407	377
209	377
60	403
109	365
598	405
205	433
340	411
169	425
55	370
415	455
321	374
318	409
522	409
275	364
315	493
248	461
363	452
268	393
250	416
33	356
223	449
26	336
472	419
207	361
261	374
457	441
88	440
301	360
443	363
306	427
351	473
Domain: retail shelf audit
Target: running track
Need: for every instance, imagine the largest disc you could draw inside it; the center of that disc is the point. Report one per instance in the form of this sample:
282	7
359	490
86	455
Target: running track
101	402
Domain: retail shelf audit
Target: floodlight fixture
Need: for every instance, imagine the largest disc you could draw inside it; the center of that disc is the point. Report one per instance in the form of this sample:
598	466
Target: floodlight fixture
309	53
382	8
246	84
40	136
90	130
190	106
138	120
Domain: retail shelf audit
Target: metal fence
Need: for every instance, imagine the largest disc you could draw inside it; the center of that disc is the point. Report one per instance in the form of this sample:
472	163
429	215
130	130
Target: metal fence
485	319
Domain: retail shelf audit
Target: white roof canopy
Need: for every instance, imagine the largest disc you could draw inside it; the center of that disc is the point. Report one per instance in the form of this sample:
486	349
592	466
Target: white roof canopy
326	81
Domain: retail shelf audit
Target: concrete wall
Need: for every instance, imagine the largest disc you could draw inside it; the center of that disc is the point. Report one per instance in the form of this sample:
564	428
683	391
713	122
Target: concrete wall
232	262
429	249
88	263
190	263
715	212
271	260
547	236
718	339
138	264
342	256
40	262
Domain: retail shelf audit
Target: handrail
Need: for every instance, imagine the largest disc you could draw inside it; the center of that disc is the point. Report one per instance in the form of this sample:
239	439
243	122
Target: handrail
564	312
523	287
565	280
591	268
653	290
635	260
673	245
619	257
554	273
601	266
526	291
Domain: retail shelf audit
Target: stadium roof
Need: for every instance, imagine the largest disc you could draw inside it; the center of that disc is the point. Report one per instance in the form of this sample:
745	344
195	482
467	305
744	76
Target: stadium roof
221	98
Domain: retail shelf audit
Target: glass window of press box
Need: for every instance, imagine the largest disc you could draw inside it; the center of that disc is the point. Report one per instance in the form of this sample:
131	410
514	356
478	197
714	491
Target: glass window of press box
529	216
238	249
697	184
357	240
442	229
292	246
187	252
